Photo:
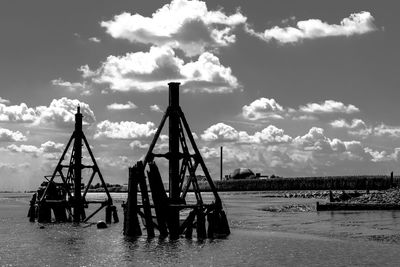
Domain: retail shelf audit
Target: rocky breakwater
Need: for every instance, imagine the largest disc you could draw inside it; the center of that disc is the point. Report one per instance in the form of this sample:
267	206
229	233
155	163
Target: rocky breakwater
390	196
383	200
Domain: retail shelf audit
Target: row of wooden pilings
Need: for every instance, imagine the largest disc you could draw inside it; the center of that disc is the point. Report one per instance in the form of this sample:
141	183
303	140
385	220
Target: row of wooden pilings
164	210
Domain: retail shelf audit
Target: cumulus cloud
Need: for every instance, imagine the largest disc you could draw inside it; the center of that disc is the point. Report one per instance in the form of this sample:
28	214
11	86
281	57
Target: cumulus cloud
138	144
7	135
356	127
4	101
124	130
60	113
355	24
116	106
155	108
186	25
386	130
94	39
52	147
328	106
263	108
268	109
221	132
316	141
82	88
150	71
17	113
48	147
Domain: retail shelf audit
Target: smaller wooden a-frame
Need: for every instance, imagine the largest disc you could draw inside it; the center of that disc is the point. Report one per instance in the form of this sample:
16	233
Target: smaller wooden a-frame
65	196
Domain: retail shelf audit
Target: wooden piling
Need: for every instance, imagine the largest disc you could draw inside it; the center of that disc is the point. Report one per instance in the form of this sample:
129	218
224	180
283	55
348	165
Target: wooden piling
108	214
160	198
115	214
131	222
145	199
201	225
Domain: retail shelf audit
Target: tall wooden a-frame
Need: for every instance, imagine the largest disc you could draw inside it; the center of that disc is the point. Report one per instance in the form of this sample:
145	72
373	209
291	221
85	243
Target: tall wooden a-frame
168	208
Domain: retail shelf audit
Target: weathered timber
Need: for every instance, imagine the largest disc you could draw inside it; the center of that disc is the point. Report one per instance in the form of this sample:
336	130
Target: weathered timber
145	199
160	198
131	222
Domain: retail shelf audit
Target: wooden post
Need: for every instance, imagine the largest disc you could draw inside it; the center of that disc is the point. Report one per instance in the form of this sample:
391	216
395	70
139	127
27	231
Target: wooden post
160	198
201	224
78	207
108	214
174	190
145	199
131	222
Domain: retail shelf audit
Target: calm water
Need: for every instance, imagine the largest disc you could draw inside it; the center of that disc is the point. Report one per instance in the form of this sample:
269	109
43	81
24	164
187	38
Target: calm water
259	238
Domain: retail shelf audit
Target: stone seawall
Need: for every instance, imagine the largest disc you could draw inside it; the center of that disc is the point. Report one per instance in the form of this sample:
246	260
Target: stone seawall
307	183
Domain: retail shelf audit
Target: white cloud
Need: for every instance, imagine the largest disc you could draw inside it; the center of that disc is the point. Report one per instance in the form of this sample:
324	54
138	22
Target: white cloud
355	24
138	144
221	132
116	106
48	149
52	147
4	101
385	130
124	130
263	108
60	112
28	149
182	24
7	135
153	70
329	106
156	108
82	88
17	113
356	127
94	39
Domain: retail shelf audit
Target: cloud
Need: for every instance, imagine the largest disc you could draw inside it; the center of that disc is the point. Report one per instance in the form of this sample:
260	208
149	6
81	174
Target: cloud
356	127
385	130
186	25
9	136
60	113
156	108
52	147
329	106
4	101
355	24
263	108
73	87
48	149
116	106
221	132
153	70
94	39
27	149
138	144
269	109
17	113
124	130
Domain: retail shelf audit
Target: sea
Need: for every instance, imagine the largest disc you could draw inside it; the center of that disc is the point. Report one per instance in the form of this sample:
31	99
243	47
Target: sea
263	234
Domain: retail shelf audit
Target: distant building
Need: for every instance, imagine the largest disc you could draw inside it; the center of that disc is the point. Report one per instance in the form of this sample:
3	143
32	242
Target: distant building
242	173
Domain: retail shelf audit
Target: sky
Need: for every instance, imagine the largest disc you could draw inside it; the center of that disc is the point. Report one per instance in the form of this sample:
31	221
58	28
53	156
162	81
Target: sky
309	88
